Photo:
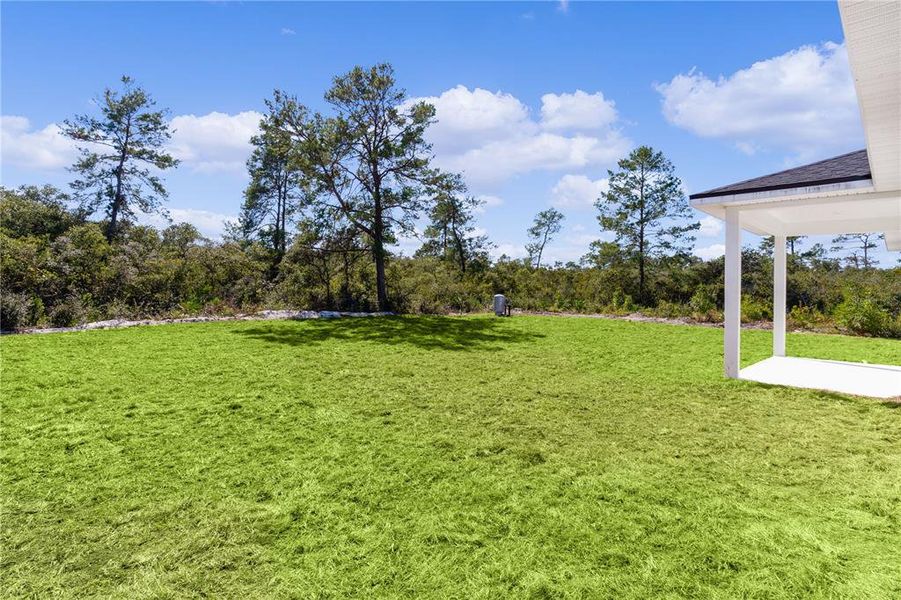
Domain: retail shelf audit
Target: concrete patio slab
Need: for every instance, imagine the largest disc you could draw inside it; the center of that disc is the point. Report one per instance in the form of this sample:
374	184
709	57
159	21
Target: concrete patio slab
861	379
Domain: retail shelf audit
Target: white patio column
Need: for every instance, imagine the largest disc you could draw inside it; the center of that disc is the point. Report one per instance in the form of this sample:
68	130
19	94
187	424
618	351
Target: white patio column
732	335
779	295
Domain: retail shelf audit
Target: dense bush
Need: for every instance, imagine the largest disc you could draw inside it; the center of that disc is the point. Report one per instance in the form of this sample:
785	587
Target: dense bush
806	317
703	304
860	313
58	269
68	312
753	309
14	311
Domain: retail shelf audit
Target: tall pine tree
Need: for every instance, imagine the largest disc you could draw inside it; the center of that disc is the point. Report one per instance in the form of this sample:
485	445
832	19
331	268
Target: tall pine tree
369	161
450	234
119	153
276	190
647	212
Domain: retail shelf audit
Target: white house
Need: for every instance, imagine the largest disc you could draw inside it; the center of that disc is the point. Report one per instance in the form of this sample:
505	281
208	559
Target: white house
859	192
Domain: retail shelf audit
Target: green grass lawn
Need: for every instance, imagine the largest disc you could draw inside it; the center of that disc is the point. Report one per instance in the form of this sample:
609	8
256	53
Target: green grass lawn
439	458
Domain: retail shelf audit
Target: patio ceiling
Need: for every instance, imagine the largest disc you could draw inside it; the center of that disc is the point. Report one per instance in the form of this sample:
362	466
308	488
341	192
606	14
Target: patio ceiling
832	209
858	192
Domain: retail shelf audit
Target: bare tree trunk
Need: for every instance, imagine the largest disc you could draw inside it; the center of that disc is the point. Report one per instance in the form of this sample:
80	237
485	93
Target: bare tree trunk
641	278
461	254
345	285
118	200
541	248
378	251
380	284
114	216
329	301
280	209
641	299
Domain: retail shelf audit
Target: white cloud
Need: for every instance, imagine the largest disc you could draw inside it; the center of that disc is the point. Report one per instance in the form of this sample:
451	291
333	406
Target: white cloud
563	5
468	118
579	111
577	192
288	31
747	148
42	149
711	251
210	224
487	201
491	137
802	101
710	227
213	142
583	240
216	141
497	161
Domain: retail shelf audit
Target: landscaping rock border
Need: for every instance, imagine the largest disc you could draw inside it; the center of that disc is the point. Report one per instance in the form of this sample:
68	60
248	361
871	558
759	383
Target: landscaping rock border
265	315
300	315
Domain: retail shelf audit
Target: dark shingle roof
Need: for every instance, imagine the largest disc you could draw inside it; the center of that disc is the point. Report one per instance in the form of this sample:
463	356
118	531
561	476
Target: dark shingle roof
853	166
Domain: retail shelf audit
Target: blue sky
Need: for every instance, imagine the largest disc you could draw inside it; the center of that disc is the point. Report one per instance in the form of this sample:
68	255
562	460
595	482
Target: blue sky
535	100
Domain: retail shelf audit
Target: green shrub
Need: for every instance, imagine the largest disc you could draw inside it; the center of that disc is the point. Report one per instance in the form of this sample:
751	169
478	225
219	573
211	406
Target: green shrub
219	307
431	286
15	311
68	313
754	310
703	304
894	330
622	302
51	256
670	310
806	317
703	300
859	313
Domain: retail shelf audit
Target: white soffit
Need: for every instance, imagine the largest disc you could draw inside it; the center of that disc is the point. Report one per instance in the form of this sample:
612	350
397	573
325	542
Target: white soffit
873	38
842	210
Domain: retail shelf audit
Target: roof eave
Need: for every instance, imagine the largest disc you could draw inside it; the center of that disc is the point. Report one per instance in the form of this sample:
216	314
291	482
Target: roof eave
847	186
778	188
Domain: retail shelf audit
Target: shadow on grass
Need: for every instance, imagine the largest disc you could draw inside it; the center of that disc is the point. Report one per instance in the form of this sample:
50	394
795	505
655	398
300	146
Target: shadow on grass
892	403
430	333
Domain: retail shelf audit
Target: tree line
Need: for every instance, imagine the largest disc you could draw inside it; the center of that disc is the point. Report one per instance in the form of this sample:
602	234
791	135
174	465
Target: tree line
331	193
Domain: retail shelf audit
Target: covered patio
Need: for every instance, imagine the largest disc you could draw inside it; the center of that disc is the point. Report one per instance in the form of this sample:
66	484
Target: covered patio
858	192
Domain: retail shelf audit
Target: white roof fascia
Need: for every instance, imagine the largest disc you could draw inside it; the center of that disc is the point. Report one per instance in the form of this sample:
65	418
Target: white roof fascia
844	188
